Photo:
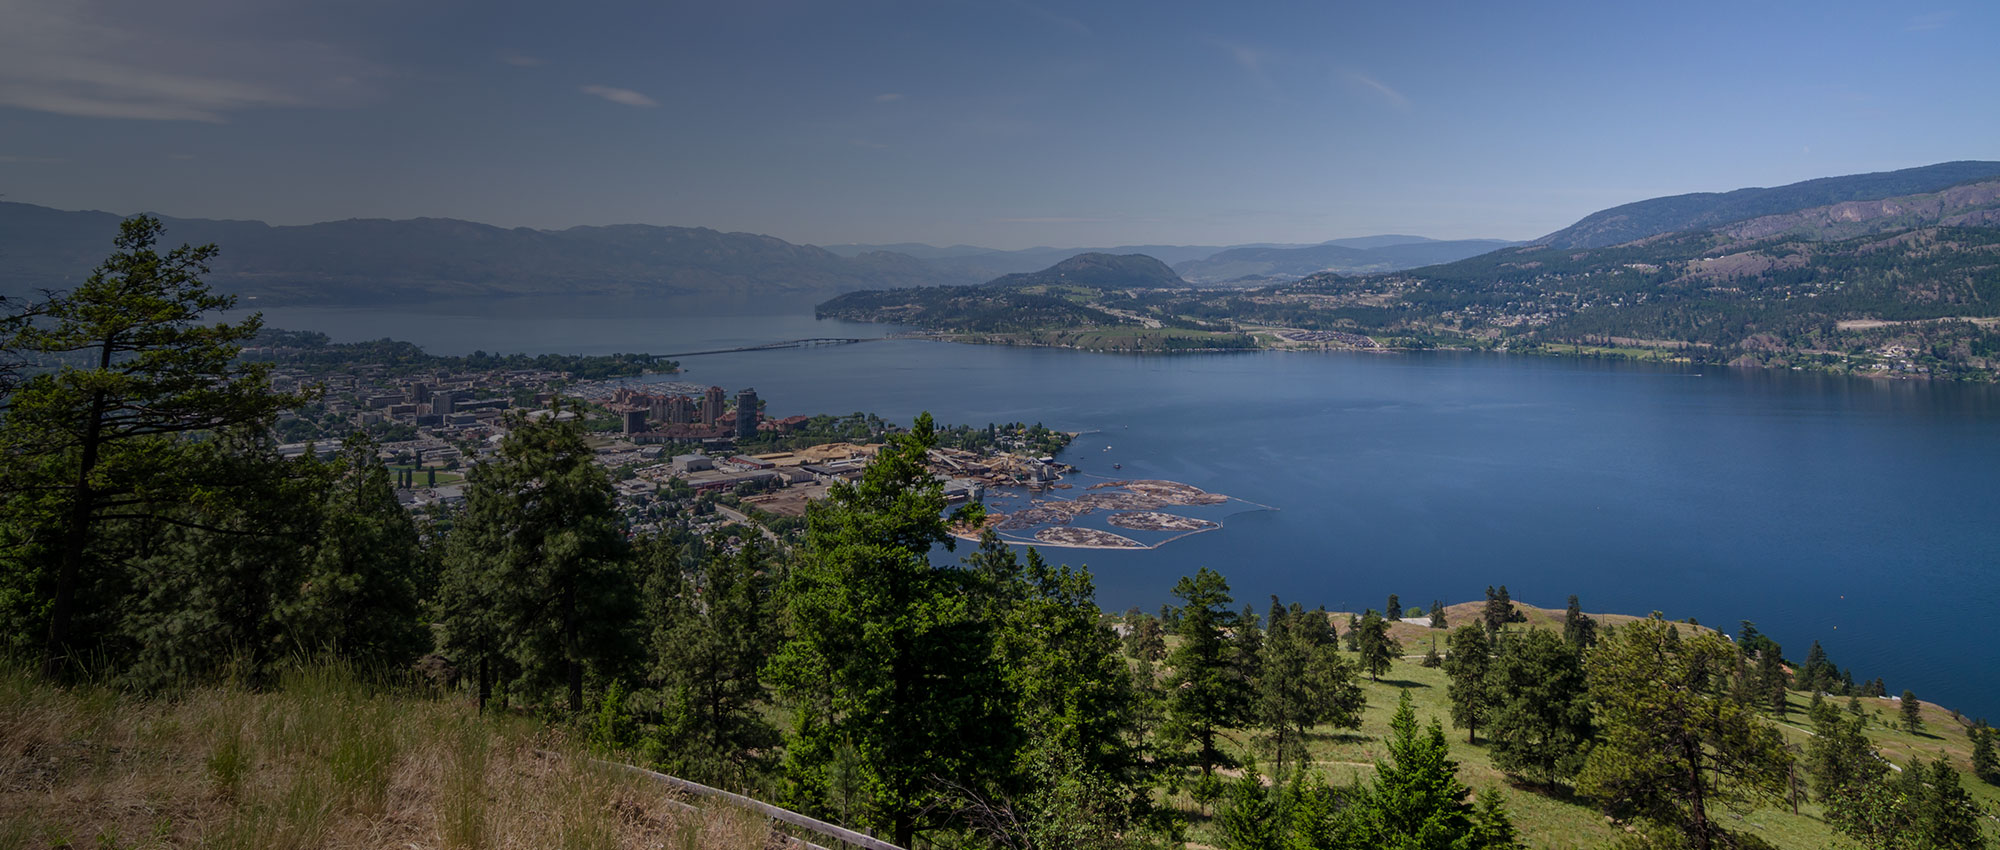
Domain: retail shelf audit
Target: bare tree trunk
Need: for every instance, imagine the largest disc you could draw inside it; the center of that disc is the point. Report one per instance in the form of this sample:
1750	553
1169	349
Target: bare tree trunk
77	537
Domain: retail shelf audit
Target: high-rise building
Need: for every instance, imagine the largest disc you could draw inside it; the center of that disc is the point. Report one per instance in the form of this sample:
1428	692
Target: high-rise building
711	406
680	410
635	420
746	414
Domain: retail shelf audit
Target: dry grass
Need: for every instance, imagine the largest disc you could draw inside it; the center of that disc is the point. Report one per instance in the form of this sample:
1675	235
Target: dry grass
320	762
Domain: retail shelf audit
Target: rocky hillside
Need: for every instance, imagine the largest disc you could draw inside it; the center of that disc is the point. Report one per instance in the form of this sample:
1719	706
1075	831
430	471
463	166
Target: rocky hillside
1706	210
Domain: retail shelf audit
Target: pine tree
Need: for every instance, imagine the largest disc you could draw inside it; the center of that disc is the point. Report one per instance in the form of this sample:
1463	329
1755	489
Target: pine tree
1539	720
1499	610
1416	800
1249	821
1579	630
1465	665
1922	808
1395	609
1206	693
1839	759
1913	713
1249	640
358	597
108	442
1437	615
1144	639
1669	746
541	553
1072	698
1984	764
1492	829
219	594
1771	679
1817	673
1304	683
1378	650
892	679
712	629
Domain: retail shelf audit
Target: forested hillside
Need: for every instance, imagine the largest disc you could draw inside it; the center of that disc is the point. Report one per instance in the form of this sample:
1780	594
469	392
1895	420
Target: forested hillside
1081	302
1705	210
379	262
153	544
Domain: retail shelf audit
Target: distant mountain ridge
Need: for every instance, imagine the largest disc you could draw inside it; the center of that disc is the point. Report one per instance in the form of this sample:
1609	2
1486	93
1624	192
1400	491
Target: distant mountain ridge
1344	256
381	261
1706	210
1101	271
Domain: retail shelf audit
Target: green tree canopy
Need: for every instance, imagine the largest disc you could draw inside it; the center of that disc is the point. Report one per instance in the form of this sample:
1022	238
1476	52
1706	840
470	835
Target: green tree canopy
1206	692
538	567
1671	744
106	441
889	675
1467	658
1540	715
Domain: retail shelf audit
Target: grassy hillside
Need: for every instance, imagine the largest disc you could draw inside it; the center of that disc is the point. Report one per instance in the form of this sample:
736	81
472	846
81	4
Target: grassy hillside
319	762
1554	819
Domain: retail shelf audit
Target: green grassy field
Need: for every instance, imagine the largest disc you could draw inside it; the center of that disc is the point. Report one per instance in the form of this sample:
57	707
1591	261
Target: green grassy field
1553	819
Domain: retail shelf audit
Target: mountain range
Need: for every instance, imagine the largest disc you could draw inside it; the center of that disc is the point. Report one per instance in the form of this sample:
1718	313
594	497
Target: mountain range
1700	210
369	262
362	262
1828	274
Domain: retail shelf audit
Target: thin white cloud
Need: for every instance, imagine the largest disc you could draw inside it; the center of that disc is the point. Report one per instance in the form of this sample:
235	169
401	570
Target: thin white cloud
522	60
1361	81
1255	61
1054	219
165	62
1929	21
1062	22
627	97
888	97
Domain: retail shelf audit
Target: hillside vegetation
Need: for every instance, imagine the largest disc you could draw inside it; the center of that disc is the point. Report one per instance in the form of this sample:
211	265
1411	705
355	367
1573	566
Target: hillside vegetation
1704	210
322	760
1899	285
380	262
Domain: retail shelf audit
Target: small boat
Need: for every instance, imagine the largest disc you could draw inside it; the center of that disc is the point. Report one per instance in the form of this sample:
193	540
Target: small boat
1118	466
1107	448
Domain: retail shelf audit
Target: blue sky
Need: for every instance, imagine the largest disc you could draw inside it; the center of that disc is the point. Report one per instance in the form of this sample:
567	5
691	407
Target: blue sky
1005	124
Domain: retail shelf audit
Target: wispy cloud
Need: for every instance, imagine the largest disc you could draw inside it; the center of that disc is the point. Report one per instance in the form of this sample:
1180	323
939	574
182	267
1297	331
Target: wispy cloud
627	97
1062	22
888	97
1929	21
522	60
1363	82
1255	61
96	59
1053	219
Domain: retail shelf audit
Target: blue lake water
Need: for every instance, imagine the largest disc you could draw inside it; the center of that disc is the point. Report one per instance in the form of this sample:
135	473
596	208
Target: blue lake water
1864	514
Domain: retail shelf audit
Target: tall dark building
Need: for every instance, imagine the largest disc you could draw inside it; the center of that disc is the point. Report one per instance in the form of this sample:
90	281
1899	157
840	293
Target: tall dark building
680	410
711	406
746	413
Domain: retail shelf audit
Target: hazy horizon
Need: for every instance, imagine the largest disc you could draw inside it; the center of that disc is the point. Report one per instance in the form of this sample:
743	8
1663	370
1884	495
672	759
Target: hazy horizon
1003	125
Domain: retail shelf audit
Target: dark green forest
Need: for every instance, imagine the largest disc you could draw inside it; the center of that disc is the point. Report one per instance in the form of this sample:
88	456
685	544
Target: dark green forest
151	536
